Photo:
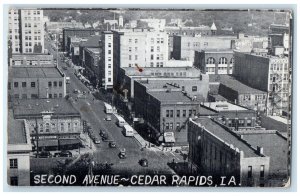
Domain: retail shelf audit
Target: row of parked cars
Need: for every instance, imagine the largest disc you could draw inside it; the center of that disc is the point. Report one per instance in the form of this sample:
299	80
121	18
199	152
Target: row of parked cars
47	154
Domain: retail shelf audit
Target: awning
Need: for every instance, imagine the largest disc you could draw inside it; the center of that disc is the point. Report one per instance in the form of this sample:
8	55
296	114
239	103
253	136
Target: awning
63	142
47	143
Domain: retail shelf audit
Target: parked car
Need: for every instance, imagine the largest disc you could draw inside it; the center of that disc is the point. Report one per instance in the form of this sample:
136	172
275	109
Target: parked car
112	144
108	117
44	154
96	141
76	91
65	153
143	162
102	132
122	153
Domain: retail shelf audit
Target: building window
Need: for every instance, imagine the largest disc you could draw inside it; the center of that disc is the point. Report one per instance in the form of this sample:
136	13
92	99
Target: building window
136	57
167	113
167	126
34	96
55	84
249	123
41	128
17	96
13	163
178	113
69	127
136	41
151	64
183	113
60	83
9	86
262	171
223	60
109	51
210	60
194	88
130	40
152	57
14	181
231	60
24	96
47	127
55	95
23	84
190	113
62	128
32	84
16	84
109	45
129	57
109	79
171	126
129	49
152	48
249	171
171	113
49	84
60	95
177	125
50	96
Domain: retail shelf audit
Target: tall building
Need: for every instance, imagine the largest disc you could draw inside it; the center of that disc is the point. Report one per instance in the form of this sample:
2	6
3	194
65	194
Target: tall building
106	65
26	30
279	36
266	73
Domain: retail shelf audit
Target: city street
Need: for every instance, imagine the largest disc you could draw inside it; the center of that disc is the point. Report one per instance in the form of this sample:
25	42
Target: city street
93	111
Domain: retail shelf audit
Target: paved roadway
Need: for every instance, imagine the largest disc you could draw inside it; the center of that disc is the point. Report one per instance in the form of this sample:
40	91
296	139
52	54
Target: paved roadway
93	111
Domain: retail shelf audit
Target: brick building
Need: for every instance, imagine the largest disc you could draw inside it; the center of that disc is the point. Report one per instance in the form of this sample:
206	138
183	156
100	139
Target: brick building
266	73
35	82
165	111
216	151
236	92
214	61
55	122
31	60
18	152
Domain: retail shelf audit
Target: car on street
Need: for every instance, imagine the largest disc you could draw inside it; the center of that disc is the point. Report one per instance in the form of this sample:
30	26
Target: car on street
44	154
108	117
76	91
143	162
102	132
112	144
96	141
122	153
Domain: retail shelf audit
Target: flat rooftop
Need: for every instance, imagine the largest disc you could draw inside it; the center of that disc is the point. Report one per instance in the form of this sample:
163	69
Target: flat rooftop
234	84
34	72
15	130
274	146
170	97
227	136
220	106
165	83
94	50
33	107
280	119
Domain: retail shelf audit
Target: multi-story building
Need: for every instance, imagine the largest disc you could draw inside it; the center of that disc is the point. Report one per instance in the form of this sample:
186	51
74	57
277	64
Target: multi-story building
266	73
139	48
92	62
26	30
92	42
165	111
239	93
217	151
53	123
18	152
214	61
184	47
35	82
106	62
31	60
279	36
78	32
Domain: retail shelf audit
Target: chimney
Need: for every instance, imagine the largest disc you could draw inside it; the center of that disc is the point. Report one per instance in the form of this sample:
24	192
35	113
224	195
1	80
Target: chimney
260	150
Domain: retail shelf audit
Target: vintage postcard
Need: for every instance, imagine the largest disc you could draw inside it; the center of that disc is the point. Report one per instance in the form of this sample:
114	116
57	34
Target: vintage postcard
149	97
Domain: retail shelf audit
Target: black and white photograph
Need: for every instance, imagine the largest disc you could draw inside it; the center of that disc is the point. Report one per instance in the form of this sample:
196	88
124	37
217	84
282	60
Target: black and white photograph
111	97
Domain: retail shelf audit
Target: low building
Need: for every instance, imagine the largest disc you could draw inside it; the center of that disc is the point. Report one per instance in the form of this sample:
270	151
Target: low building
237	92
31	60
214	61
235	117
128	75
18	149
275	146
216	151
54	124
166	111
35	82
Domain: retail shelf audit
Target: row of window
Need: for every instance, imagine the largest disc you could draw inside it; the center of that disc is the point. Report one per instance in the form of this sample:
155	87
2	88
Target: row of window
169	126
46	127
158	40
222	60
54	84
170	113
158	57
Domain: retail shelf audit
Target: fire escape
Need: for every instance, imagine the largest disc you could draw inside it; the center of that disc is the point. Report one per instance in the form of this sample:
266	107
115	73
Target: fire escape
275	93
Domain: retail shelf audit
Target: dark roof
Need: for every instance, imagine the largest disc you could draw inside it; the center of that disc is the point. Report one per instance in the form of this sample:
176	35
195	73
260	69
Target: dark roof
274	146
16	130
227	136
234	84
34	107
34	72
168	97
92	42
206	111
